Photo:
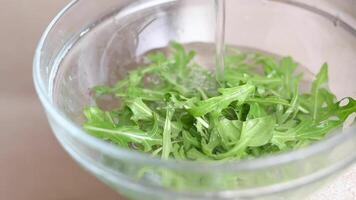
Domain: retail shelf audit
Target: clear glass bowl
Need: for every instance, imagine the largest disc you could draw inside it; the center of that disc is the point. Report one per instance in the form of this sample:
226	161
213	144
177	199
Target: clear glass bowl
95	42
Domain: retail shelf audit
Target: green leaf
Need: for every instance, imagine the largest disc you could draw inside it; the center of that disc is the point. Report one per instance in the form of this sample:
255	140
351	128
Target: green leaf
172	107
229	130
190	140
270	65
157	58
202	128
143	94
139	109
256	111
167	133
182	58
320	80
95	115
214	141
308	130
102	89
269	101
255	132
288	67
217	104
155	131
344	111
194	154
294	106
132	133
281	138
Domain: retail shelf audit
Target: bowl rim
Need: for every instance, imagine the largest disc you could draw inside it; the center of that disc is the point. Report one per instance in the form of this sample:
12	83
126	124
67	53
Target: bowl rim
125	154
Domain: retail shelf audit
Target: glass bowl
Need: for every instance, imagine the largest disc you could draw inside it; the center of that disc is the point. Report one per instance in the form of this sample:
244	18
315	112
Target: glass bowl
96	42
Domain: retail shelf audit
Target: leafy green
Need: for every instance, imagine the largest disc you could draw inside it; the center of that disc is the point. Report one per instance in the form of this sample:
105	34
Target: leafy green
344	111
172	108
139	109
255	132
229	130
321	78
167	134
218	103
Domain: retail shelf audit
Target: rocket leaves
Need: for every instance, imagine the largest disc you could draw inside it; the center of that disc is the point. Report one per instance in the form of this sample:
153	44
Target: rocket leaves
182	113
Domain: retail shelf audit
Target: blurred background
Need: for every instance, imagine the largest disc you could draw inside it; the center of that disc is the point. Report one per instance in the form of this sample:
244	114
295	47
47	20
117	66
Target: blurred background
32	164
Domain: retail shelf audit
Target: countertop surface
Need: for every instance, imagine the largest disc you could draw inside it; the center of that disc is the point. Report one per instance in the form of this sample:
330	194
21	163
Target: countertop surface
33	166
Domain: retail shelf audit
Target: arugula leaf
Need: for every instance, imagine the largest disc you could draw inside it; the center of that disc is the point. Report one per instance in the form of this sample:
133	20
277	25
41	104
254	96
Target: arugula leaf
102	89
217	104
344	111
123	135
194	154
321	78
157	58
190	140
234	78
281	138
139	109
287	67
255	132
269	100
143	94
173	108
167	131
294	104
308	130
229	130
182	59
256	111
95	115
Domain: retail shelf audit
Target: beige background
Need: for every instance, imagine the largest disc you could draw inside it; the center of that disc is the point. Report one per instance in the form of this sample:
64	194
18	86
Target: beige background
32	164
